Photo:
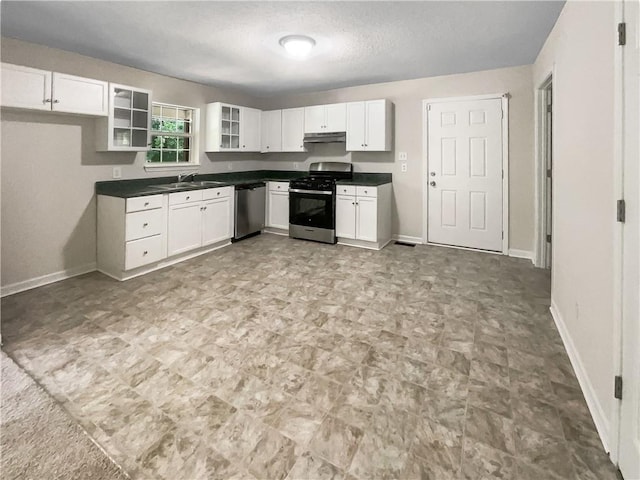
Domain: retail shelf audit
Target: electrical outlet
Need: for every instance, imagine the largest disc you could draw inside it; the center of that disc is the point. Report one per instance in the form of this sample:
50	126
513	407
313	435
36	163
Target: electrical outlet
402	156
229	166
117	172
403	166
295	165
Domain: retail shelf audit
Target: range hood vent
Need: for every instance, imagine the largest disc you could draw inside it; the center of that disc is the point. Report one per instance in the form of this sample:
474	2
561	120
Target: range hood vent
325	137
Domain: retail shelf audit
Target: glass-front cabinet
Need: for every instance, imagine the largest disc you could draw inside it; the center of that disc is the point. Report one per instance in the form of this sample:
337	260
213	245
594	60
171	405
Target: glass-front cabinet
232	128
127	126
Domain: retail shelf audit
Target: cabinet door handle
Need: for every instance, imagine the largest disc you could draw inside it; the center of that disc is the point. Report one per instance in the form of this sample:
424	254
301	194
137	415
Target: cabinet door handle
218	193
146	204
188	198
204	208
267	147
145	224
353	203
46	100
145	252
56	101
365	191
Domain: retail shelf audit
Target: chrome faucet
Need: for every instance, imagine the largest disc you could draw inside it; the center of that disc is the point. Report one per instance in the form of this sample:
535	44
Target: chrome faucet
184	177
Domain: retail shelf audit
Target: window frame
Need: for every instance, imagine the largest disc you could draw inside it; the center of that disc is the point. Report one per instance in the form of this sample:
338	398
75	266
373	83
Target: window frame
194	141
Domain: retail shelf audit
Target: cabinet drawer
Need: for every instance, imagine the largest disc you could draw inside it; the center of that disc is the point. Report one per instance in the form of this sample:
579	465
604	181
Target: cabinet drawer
136	204
211	193
279	186
144	224
366	191
185	197
142	252
345	189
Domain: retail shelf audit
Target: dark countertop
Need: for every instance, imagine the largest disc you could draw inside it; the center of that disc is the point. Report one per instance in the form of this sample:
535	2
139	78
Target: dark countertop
367	179
141	186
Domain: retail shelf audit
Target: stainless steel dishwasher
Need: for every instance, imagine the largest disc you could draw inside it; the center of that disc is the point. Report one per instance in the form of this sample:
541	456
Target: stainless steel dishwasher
250	200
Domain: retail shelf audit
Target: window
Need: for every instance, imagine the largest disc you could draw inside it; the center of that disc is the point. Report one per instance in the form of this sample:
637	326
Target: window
173	135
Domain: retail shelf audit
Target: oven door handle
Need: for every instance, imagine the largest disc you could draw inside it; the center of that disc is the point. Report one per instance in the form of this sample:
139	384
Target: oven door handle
313	192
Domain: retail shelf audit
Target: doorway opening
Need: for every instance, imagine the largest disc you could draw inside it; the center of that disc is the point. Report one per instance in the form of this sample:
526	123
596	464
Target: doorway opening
544	207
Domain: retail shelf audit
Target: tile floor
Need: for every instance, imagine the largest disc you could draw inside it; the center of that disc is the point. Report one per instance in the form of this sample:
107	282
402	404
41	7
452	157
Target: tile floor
277	358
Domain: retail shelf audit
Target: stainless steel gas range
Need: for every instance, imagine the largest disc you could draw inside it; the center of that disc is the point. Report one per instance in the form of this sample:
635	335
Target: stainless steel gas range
312	201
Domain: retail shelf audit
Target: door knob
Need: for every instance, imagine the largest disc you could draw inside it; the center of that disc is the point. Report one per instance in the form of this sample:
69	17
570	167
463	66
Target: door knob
433	184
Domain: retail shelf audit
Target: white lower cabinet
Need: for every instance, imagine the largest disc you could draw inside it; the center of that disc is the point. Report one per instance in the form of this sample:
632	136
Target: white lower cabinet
363	215
346	216
140	234
199	218
132	233
278	205
217	220
184	227
144	251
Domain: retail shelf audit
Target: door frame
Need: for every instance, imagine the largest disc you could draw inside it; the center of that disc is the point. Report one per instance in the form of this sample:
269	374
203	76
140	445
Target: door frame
623	292
504	98
540	127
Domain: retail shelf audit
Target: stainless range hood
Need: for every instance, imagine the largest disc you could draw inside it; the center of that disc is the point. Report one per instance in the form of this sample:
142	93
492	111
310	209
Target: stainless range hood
325	137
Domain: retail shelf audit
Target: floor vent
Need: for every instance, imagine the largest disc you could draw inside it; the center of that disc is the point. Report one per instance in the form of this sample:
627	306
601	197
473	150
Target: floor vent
405	244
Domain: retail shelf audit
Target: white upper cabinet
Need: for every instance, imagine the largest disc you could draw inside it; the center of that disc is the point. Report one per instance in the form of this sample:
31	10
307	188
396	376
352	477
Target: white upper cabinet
293	130
80	95
250	129
336	117
370	126
271	131
126	128
24	87
232	128
314	119
222	128
325	118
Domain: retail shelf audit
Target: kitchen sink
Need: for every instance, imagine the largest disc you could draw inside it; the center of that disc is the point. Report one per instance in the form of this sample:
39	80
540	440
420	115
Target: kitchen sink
174	186
207	183
182	185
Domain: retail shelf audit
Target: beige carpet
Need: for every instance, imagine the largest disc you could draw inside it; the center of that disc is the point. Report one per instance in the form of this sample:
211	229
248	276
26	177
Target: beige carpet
39	440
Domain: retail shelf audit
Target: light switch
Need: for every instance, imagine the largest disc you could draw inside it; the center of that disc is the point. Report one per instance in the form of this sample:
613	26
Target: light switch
117	172
402	156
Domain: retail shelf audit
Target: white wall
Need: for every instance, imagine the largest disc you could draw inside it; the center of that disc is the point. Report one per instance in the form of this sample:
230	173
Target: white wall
580	50
50	166
407	97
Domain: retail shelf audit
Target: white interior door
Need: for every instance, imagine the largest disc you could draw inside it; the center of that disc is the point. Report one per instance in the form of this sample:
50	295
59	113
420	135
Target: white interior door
629	445
465	174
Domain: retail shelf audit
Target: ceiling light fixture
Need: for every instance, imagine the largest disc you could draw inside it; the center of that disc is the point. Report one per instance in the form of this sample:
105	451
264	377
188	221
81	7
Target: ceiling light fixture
297	46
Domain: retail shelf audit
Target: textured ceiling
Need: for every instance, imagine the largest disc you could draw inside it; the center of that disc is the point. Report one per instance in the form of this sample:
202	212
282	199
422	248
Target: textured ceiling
236	43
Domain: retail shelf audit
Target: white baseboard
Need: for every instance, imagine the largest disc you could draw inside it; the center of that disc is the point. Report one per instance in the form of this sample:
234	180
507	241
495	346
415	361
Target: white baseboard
597	412
514	252
408	239
46	279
